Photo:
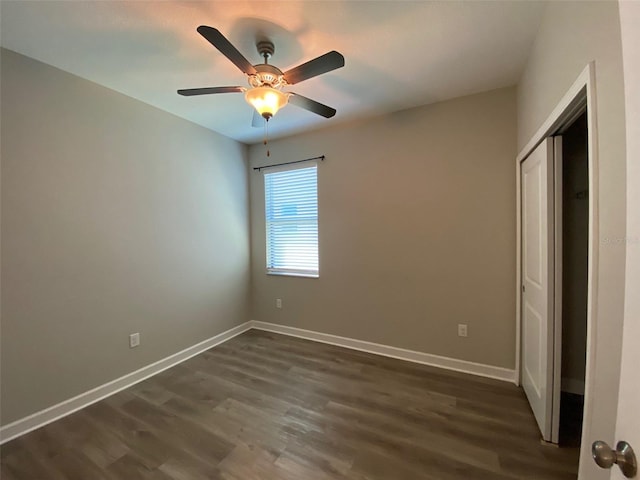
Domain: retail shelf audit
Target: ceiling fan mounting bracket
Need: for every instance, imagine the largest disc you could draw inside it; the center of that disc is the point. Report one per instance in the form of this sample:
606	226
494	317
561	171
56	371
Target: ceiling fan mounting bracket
266	49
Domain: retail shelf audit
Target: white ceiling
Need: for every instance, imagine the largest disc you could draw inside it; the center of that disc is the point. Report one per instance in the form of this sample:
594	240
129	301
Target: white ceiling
399	54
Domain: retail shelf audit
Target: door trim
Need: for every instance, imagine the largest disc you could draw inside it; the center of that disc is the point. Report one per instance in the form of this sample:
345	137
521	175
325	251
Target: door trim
582	93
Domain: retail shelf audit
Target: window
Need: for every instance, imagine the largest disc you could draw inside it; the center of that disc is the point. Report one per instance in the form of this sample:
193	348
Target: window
291	211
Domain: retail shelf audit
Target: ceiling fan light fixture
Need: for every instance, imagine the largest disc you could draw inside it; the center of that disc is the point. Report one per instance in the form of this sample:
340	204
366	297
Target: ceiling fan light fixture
266	100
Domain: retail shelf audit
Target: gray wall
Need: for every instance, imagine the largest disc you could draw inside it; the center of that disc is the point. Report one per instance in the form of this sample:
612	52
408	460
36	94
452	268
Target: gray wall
116	218
417	230
571	35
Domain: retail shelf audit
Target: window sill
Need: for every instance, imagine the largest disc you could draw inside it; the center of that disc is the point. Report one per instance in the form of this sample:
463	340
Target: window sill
294	274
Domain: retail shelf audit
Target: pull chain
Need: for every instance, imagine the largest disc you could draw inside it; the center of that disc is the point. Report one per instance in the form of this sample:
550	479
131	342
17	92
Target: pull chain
266	136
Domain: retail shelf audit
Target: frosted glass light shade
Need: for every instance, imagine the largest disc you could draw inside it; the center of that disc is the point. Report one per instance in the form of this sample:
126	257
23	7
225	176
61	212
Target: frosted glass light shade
266	100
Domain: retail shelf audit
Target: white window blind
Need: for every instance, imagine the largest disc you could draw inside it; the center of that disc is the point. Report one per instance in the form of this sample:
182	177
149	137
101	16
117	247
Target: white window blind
291	210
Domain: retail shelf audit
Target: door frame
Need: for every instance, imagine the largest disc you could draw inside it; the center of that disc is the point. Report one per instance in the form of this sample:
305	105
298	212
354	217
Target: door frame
581	94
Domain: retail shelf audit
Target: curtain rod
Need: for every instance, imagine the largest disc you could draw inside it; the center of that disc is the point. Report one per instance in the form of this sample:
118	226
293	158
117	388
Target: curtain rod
321	158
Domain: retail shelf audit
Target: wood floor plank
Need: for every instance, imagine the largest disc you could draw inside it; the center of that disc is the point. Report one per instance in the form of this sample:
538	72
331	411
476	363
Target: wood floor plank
264	406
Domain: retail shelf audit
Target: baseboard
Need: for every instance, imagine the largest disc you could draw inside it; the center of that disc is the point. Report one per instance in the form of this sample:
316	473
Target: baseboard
464	366
572	385
48	415
55	412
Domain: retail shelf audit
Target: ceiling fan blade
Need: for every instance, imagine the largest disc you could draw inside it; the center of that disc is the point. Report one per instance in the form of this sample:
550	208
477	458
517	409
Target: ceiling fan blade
226	48
311	105
189	92
257	120
322	64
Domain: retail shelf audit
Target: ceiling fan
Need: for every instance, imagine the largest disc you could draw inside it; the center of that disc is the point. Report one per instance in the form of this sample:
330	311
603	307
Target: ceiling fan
266	81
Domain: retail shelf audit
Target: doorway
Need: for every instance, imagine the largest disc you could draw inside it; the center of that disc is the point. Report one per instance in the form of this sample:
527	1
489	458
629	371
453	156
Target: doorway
555	279
580	97
575	261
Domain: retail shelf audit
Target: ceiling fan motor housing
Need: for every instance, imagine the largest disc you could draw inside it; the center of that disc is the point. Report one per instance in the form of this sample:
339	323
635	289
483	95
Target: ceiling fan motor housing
267	75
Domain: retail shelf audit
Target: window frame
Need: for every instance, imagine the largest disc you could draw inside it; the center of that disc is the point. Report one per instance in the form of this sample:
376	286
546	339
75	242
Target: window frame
289	271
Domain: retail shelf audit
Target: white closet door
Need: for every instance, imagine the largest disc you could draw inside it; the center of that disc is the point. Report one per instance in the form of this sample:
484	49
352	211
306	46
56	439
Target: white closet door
538	284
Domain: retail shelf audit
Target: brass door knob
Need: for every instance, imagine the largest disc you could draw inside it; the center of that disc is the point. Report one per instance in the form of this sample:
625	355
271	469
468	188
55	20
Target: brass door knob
622	456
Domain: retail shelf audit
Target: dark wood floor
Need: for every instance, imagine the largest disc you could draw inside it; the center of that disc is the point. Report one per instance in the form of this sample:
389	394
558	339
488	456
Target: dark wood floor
265	406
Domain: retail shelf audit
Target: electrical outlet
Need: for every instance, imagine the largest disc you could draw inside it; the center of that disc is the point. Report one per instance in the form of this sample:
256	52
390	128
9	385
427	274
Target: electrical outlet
278	303
462	330
134	340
